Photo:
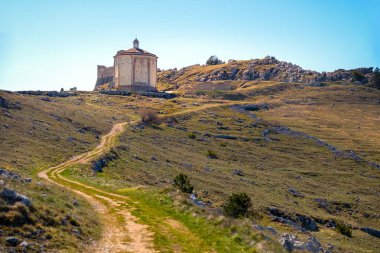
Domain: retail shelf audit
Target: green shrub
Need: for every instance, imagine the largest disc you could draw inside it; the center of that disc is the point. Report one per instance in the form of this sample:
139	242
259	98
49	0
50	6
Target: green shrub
213	60
357	75
211	154
149	117
344	229
192	135
238	205
182	181
376	78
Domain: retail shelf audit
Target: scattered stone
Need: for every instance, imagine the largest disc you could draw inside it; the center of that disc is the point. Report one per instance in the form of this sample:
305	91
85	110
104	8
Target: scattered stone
75	203
153	158
237	172
297	221
4	103
24	244
266	228
187	165
76	232
291	242
265	132
9	174
27	180
224	136
46	99
102	161
371	231
294	192
11	196
207	169
2	183
196	201
12	241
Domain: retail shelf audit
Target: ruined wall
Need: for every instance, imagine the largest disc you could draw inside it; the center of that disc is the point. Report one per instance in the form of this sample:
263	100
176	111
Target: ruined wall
104	75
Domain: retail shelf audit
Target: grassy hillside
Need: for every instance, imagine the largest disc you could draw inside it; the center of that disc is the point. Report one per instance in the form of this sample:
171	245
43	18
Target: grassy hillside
292	173
38	132
272	166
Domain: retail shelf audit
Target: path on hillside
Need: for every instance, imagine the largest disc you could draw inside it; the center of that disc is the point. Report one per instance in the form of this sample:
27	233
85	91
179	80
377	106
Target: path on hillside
130	236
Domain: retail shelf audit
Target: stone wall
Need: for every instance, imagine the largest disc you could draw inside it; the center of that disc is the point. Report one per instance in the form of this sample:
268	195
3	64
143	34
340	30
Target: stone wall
104	75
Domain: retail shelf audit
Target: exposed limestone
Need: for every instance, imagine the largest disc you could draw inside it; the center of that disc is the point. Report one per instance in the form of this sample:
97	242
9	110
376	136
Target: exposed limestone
268	68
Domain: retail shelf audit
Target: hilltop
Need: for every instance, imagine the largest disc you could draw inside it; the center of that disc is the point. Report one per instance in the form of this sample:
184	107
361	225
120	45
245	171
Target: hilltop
245	73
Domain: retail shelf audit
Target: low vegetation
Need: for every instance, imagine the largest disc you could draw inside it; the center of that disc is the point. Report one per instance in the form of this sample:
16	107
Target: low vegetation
376	78
238	205
343	228
182	181
192	135
149	117
212	154
213	60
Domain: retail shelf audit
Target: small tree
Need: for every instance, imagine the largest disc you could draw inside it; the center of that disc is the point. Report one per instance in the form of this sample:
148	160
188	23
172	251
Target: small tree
213	60
149	117
182	181
343	228
358	76
376	78
238	205
211	154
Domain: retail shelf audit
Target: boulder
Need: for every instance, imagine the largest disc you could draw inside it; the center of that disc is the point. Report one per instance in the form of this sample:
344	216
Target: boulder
291	242
4	103
9	174
371	231
237	172
12	241
294	192
11	196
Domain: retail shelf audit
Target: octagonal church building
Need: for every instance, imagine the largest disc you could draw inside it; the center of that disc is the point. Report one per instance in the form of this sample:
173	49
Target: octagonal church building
134	70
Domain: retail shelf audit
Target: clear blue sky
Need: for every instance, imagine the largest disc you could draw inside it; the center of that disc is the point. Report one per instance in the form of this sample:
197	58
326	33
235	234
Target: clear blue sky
51	44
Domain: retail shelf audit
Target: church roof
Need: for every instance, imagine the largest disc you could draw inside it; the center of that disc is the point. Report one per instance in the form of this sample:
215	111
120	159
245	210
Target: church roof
135	51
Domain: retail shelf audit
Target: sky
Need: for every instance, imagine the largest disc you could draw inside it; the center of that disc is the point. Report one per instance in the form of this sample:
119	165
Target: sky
53	44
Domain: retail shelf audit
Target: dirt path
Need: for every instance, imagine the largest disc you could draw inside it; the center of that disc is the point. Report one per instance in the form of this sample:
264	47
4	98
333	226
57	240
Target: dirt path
122	232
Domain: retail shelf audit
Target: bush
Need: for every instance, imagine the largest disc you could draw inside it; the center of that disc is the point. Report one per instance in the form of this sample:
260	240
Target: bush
211	154
343	228
192	135
357	75
376	78
213	60
238	205
182	181
149	117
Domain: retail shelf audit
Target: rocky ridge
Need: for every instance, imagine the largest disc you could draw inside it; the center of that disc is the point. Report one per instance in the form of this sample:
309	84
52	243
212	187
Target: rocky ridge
266	69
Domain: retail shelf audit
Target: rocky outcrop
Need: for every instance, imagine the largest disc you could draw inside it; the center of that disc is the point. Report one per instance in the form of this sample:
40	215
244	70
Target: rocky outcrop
11	196
371	231
297	221
268	68
291	242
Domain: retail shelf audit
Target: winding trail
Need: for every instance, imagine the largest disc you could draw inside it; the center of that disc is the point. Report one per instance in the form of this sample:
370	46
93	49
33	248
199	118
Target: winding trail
121	230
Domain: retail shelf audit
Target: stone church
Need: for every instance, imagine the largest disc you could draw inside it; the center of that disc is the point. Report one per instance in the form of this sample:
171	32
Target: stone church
134	70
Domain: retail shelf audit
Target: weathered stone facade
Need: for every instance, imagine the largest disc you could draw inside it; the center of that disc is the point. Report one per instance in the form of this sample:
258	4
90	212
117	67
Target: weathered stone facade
134	70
